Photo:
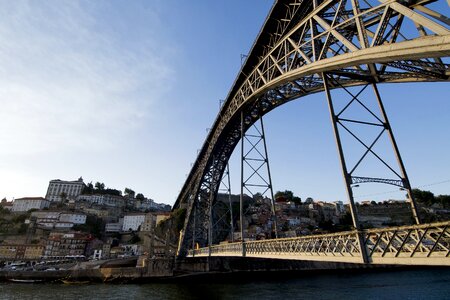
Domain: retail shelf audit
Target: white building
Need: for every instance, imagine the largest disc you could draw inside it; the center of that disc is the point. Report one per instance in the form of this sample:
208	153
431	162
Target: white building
27	203
107	200
58	219
340	208
63	225
293	221
6	205
93	199
46	218
71	189
75	218
114	227
133	221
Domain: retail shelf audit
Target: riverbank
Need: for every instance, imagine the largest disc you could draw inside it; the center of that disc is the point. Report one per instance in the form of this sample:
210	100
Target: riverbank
107	272
192	269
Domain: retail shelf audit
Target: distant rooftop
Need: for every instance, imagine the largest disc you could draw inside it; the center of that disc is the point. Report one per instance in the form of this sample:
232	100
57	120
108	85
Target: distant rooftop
31	198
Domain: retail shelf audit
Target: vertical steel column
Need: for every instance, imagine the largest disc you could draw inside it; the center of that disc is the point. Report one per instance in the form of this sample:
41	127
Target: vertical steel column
275	223
241	202
210	220
230	203
405	178
347	178
193	230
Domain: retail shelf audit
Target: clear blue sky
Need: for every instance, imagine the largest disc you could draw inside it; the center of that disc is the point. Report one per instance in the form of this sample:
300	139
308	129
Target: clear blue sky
122	92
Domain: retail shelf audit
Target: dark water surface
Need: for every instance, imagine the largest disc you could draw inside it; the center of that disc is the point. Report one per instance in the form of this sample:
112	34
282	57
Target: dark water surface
409	284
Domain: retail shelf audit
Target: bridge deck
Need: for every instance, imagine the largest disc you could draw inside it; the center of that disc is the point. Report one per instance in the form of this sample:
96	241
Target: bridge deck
427	244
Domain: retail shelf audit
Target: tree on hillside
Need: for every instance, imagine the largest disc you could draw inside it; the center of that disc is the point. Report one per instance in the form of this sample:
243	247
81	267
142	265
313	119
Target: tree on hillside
100	186
424	197
88	189
113	192
129	192
444	200
63	196
428	198
287	196
140	196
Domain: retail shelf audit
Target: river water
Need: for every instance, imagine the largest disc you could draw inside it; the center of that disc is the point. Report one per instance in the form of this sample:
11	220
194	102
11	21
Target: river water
406	284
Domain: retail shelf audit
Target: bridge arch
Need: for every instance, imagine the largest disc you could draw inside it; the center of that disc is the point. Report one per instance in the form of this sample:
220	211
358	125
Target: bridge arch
342	42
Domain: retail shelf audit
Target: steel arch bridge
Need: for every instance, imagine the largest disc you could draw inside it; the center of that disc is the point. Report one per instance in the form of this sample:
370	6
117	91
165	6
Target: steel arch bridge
311	46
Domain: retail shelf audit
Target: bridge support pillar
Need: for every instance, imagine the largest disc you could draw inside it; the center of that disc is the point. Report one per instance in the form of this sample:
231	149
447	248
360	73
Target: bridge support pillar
377	120
346	175
405	179
256	178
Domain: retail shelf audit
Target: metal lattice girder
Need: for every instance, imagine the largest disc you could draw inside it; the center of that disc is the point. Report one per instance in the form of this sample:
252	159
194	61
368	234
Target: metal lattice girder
372	115
358	41
222	220
257	181
396	182
427	244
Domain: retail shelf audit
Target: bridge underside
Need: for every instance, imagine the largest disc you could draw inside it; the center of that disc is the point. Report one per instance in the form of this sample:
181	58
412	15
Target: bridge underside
350	42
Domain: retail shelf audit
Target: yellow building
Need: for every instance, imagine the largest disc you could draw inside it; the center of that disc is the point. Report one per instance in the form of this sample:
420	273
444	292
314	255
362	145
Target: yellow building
34	251
8	252
29	252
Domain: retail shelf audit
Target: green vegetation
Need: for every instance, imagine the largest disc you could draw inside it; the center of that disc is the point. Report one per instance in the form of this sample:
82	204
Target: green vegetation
134	238
99	186
287	196
20	218
4	211
428	198
100	189
13	223
23	228
129	192
63	196
94	225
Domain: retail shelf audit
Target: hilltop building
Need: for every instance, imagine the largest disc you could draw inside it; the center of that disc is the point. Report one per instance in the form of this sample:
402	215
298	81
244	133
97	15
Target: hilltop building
58	188
6	205
27	203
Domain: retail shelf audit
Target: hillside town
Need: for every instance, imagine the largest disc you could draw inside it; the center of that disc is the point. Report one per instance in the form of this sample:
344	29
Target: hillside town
298	218
77	222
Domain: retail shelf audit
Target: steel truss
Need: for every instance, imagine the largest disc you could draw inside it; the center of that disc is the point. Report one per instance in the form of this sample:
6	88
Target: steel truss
378	120
427	244
257	181
354	41
223	220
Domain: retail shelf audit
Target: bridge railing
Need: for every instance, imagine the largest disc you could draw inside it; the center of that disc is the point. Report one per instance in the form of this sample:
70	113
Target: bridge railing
427	244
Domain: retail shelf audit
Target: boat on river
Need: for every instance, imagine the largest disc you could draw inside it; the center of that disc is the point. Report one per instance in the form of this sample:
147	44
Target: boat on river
69	281
25	280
